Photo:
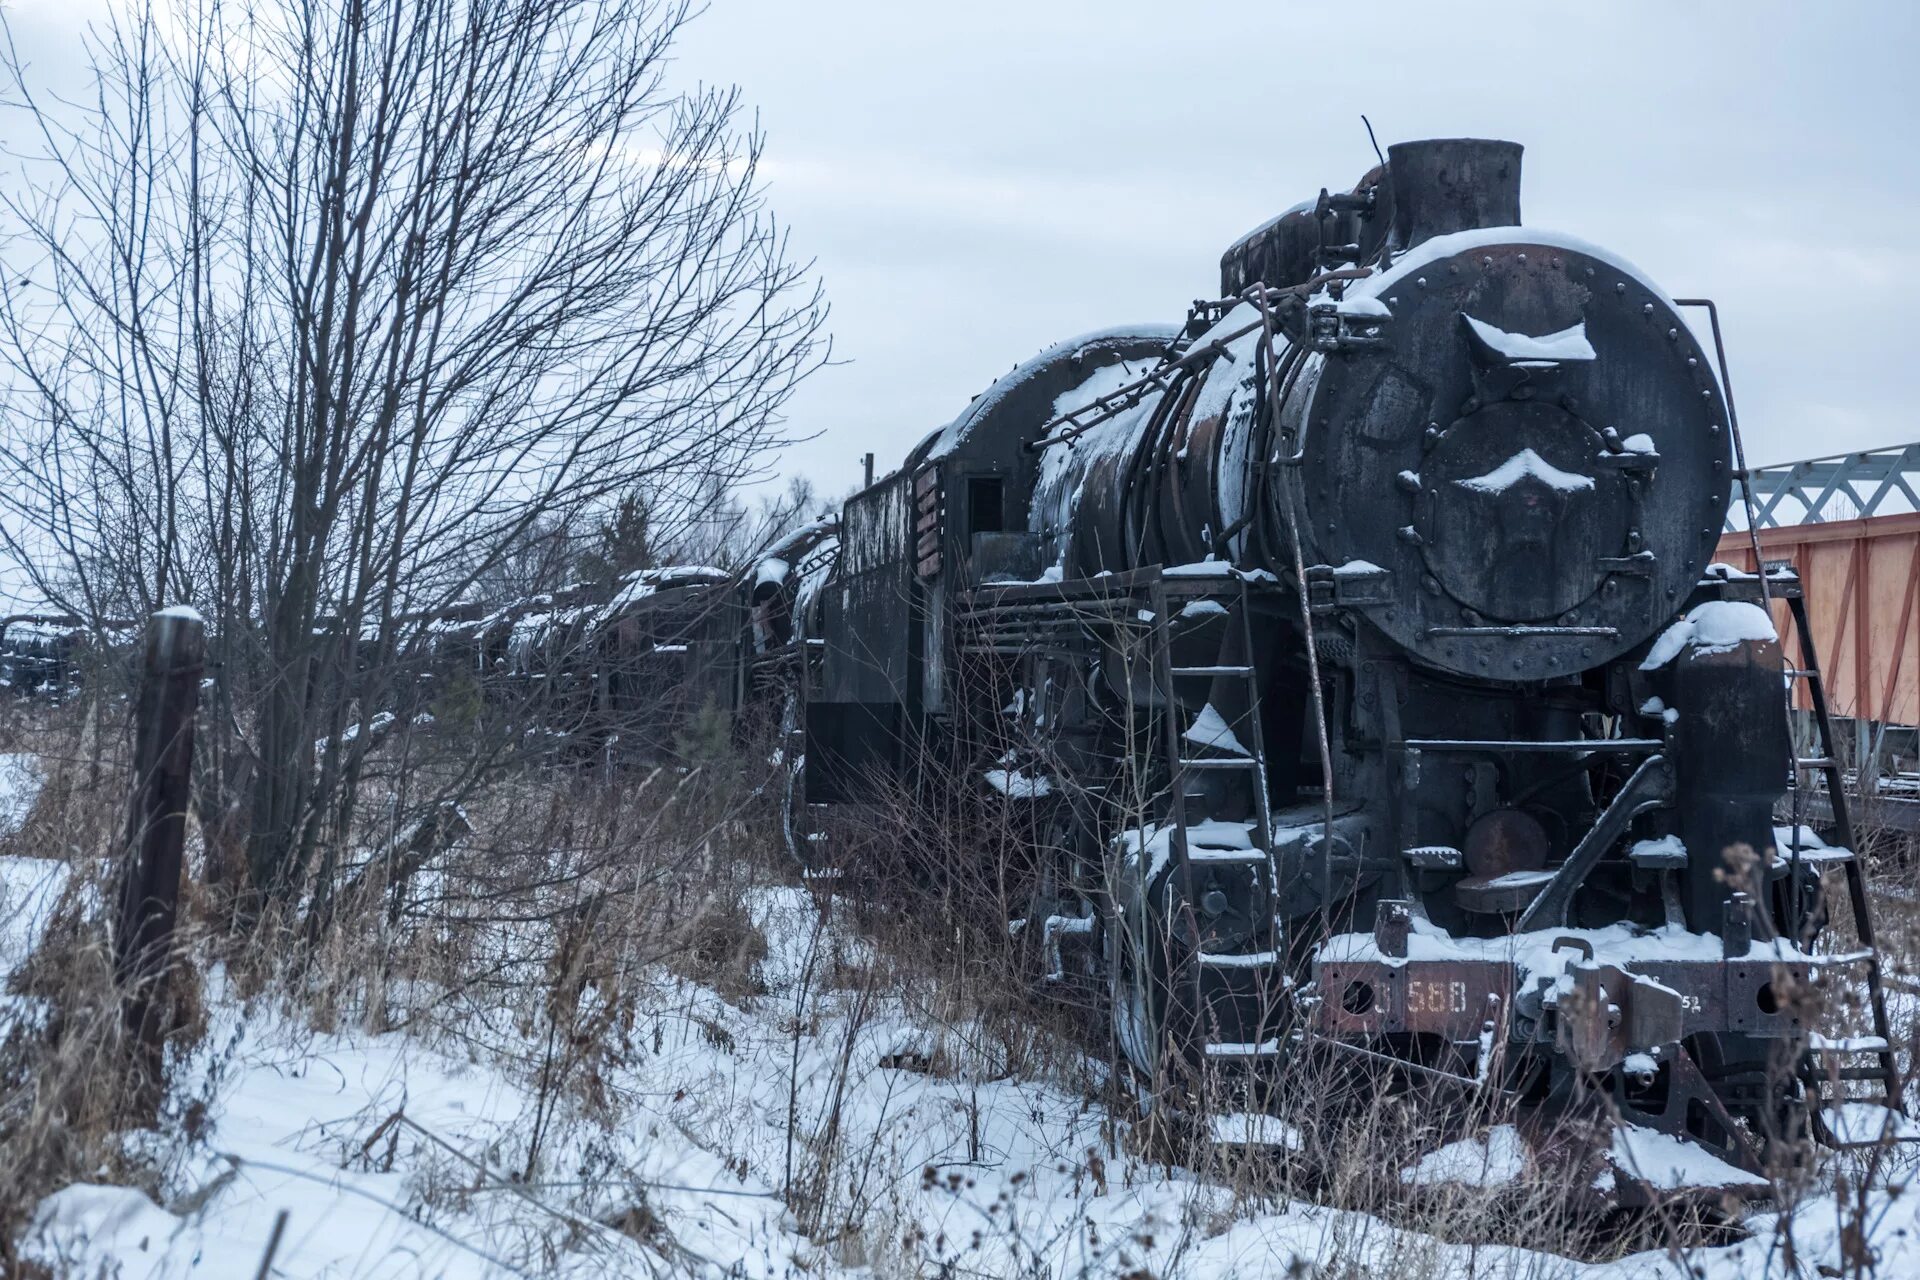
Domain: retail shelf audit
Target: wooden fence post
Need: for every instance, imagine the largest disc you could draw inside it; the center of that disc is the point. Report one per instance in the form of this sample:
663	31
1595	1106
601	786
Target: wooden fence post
156	830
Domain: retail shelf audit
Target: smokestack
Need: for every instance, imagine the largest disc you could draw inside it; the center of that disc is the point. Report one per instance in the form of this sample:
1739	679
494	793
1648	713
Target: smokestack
866	465
1443	185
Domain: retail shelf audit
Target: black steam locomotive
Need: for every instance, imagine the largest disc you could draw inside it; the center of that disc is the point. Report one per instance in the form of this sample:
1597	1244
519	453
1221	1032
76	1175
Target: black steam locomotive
1354	650
1352	661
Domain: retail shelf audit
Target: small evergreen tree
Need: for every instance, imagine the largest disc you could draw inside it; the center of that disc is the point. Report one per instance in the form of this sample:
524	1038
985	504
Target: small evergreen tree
707	737
622	543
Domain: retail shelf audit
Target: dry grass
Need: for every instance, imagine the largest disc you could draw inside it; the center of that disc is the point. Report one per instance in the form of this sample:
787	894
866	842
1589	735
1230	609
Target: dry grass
549	932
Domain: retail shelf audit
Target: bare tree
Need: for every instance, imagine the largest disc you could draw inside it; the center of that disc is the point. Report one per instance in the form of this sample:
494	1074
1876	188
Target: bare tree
316	309
538	559
722	528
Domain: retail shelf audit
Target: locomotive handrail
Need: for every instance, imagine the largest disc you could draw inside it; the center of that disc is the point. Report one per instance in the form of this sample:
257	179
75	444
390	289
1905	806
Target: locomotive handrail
1592	746
1132	392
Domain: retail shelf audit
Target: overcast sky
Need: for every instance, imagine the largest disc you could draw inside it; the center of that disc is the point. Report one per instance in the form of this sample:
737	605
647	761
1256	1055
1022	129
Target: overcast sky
979	180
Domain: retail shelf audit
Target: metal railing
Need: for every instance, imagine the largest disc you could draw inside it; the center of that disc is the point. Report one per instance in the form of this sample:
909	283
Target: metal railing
1844	486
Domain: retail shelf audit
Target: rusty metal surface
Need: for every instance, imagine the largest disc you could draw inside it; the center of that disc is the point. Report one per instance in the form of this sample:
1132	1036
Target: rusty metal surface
1609	1011
1862	581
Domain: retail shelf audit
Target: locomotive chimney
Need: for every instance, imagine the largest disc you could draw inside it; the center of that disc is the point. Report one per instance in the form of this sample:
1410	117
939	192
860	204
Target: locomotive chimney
1443	185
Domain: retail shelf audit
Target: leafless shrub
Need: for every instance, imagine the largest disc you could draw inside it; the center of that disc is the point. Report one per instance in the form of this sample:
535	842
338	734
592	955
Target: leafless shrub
317	311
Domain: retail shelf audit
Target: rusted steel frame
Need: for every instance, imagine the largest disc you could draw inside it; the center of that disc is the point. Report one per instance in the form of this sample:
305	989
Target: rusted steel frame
1789	537
1111	589
1455	998
1863	633
1581	746
1118	584
1025	649
1420	1069
1899	653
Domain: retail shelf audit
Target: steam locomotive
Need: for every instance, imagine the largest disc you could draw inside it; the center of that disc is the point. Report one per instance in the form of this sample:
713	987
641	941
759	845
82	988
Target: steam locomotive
1354	650
43	654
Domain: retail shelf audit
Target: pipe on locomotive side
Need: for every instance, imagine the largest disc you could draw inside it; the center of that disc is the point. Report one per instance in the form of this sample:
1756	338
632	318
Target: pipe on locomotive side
1468	436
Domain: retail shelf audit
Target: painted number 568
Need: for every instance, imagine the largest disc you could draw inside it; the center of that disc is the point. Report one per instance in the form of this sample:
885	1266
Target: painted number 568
1436	996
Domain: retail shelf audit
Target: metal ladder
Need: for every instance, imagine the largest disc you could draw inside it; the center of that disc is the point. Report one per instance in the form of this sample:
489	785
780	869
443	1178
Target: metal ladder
1217	973
1816	1069
1823	1064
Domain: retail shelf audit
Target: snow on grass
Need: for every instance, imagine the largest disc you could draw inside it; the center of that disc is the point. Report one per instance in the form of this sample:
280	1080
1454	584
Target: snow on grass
305	1124
30	888
1491	1161
910	1151
19	786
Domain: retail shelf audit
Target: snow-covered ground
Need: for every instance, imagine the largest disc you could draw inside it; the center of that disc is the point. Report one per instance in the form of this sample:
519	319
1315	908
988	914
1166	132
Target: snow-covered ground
402	1154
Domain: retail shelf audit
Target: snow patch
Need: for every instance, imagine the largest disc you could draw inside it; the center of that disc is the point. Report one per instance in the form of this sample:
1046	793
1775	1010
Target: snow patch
30	888
19	787
1255	1129
1869	1123
1667	1163
1566	344
1210	729
1494	1160
1019	784
1718	626
1659	850
1803	837
1362	307
1527	465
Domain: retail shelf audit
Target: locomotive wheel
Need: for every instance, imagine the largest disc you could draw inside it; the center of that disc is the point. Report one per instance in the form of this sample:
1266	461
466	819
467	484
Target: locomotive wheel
1154	1035
1133	1003
1154	1030
796	819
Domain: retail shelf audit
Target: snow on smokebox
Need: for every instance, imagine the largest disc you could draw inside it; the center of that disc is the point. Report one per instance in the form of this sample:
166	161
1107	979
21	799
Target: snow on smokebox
1526	465
1567	344
1714	627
